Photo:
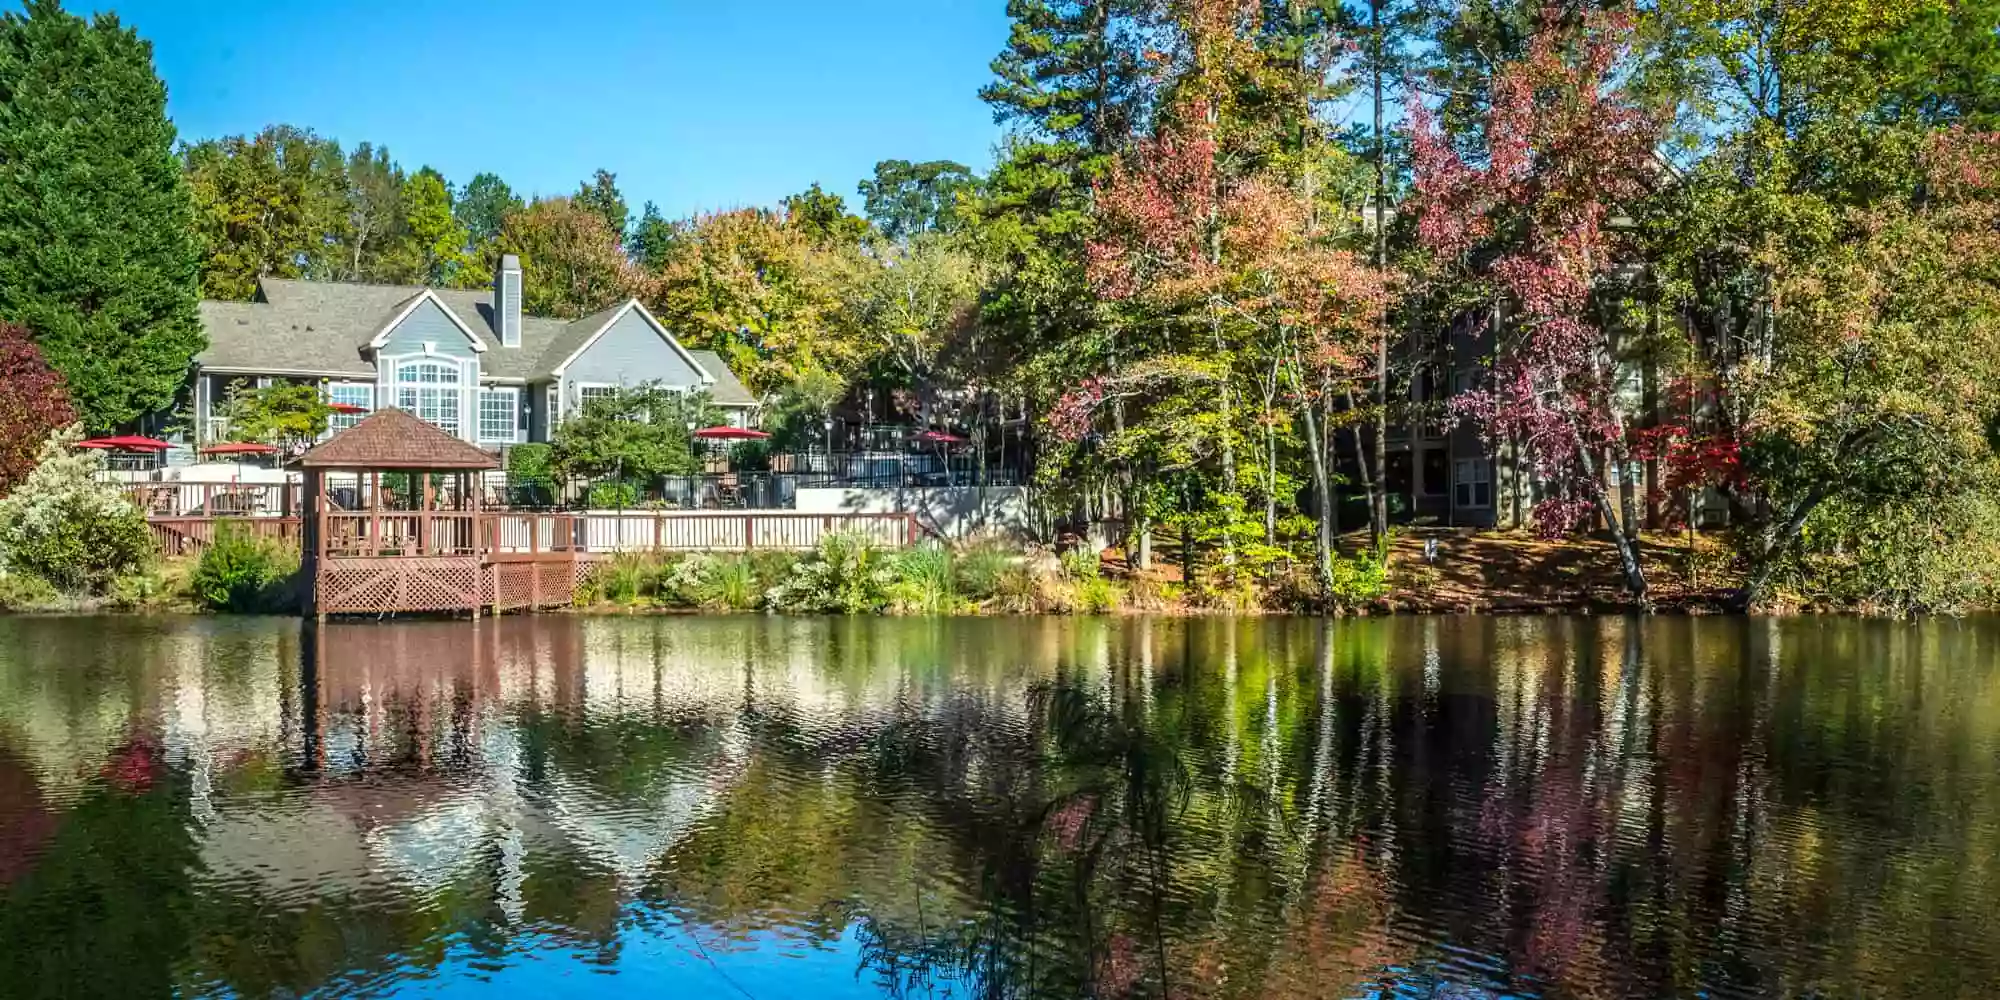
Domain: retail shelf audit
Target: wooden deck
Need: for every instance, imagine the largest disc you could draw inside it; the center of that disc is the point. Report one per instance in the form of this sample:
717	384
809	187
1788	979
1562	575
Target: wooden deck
386	562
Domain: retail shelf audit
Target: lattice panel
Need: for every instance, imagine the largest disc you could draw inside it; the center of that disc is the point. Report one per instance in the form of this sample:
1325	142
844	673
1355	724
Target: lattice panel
559	580
515	583
379	586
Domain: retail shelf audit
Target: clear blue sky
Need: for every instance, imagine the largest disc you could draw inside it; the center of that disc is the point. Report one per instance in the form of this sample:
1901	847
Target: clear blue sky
695	105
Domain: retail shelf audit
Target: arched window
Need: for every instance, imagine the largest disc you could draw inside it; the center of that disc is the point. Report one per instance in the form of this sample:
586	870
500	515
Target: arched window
431	390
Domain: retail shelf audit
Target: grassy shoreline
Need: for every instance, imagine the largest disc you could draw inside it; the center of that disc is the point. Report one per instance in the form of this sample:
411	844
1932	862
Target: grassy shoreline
1467	572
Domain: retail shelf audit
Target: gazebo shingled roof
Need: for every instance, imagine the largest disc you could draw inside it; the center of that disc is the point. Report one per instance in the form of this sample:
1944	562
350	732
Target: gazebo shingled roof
394	439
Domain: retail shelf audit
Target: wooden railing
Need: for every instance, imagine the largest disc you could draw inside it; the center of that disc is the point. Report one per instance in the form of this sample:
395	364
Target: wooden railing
213	499
388	534
188	536
378	534
399	533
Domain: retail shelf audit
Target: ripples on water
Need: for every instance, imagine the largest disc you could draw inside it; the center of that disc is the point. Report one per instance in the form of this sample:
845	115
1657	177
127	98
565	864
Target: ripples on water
1000	808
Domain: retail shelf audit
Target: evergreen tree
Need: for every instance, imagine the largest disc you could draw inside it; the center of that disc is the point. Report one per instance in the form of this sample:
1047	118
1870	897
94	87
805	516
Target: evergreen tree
651	238
483	207
600	194
97	247
1072	73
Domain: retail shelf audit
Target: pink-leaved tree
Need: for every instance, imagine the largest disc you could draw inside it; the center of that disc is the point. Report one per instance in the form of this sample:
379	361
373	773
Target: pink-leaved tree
1531	219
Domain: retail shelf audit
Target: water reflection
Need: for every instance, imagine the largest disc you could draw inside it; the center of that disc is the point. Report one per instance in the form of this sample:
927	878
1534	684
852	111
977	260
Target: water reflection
1000	808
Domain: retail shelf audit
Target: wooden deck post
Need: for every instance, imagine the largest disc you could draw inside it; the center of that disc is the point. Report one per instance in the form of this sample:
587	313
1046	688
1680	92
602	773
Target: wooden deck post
424	516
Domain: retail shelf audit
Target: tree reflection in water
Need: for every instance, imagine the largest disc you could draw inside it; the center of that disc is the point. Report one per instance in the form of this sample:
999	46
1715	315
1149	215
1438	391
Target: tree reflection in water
1025	808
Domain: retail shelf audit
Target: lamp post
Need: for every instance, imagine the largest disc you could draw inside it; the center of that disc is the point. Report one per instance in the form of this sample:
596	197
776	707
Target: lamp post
826	439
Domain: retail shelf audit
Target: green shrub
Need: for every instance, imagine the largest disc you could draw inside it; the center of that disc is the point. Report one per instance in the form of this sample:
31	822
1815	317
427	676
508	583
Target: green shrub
977	569
627	578
1078	565
714	583
1358	581
613	494
845	575
243	574
1095	596
924	582
27	592
531	464
1018	590
152	588
63	525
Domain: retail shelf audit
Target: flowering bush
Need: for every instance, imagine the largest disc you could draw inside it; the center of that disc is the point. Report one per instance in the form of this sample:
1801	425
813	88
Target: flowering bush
68	528
847	575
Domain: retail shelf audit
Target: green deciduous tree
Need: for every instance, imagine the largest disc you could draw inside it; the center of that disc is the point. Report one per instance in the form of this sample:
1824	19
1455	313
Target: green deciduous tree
907	199
97	242
432	250
915	309
570	261
290	415
824	218
375	220
273	204
759	291
638	433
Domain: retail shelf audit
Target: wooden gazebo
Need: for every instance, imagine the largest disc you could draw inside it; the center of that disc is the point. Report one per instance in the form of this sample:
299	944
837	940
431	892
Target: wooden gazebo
393	524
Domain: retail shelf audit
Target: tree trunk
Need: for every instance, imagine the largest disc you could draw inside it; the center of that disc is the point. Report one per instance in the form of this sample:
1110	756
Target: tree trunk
1621	531
1323	486
1779	544
1378	498
1371	482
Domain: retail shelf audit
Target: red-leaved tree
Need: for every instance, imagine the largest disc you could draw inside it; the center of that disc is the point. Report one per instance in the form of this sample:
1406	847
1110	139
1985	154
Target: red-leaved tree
1563	148
35	402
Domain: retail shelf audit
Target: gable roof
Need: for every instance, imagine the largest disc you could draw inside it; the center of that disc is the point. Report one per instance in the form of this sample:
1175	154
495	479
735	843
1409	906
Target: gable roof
390	438
728	390
409	306
324	328
557	357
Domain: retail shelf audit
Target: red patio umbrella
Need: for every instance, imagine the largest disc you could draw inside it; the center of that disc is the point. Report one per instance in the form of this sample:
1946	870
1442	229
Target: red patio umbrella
346	408
240	448
730	434
126	442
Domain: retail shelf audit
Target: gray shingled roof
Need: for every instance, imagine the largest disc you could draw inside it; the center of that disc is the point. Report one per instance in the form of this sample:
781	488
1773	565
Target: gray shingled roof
727	390
322	327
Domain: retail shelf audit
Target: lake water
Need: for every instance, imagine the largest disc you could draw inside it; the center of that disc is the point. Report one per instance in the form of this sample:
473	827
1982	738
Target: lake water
763	807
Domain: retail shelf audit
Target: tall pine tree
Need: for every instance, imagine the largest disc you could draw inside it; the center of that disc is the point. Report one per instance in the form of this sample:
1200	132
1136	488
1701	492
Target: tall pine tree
97	248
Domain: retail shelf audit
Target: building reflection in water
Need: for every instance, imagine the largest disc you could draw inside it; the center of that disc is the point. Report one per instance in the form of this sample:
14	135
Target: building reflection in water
1007	808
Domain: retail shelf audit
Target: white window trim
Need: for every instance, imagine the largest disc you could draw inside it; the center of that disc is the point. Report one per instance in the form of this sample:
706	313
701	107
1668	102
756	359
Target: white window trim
326	391
578	387
513	393
1484	467
466	380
